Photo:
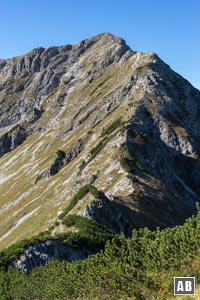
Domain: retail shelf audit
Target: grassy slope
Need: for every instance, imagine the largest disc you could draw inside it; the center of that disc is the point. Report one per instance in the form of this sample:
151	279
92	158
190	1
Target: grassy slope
28	160
27	208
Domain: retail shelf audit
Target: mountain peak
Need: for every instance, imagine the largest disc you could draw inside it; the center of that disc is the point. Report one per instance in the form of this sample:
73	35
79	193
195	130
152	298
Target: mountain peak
118	128
109	38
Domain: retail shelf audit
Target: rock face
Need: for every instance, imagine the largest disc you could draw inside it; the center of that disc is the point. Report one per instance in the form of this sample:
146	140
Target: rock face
96	112
39	254
12	138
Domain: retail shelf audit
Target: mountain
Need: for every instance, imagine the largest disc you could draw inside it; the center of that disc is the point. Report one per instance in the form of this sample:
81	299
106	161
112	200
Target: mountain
96	130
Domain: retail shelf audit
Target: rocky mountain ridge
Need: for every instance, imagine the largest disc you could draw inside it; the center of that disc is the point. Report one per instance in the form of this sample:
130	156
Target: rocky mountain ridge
96	113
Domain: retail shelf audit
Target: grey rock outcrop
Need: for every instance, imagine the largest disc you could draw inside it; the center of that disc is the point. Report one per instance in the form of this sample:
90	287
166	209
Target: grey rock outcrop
12	138
38	254
61	159
108	213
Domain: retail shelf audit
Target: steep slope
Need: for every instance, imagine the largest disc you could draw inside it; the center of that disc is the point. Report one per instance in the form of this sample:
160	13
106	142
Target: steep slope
95	114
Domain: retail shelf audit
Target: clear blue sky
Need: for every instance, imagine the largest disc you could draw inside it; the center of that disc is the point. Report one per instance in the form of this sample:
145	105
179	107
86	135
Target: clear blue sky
171	28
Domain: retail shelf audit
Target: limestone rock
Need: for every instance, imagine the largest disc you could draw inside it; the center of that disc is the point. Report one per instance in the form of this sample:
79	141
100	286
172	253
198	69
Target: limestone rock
38	254
99	113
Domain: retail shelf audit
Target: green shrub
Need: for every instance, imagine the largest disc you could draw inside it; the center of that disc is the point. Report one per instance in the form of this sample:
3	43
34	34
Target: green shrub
140	267
82	165
112	127
129	163
126	164
88	188
132	177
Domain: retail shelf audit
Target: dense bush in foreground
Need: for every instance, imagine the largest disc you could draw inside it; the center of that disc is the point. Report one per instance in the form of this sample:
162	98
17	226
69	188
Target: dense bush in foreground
141	267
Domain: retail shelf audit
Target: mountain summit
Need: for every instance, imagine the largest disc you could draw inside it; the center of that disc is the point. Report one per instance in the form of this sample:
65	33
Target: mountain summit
97	130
